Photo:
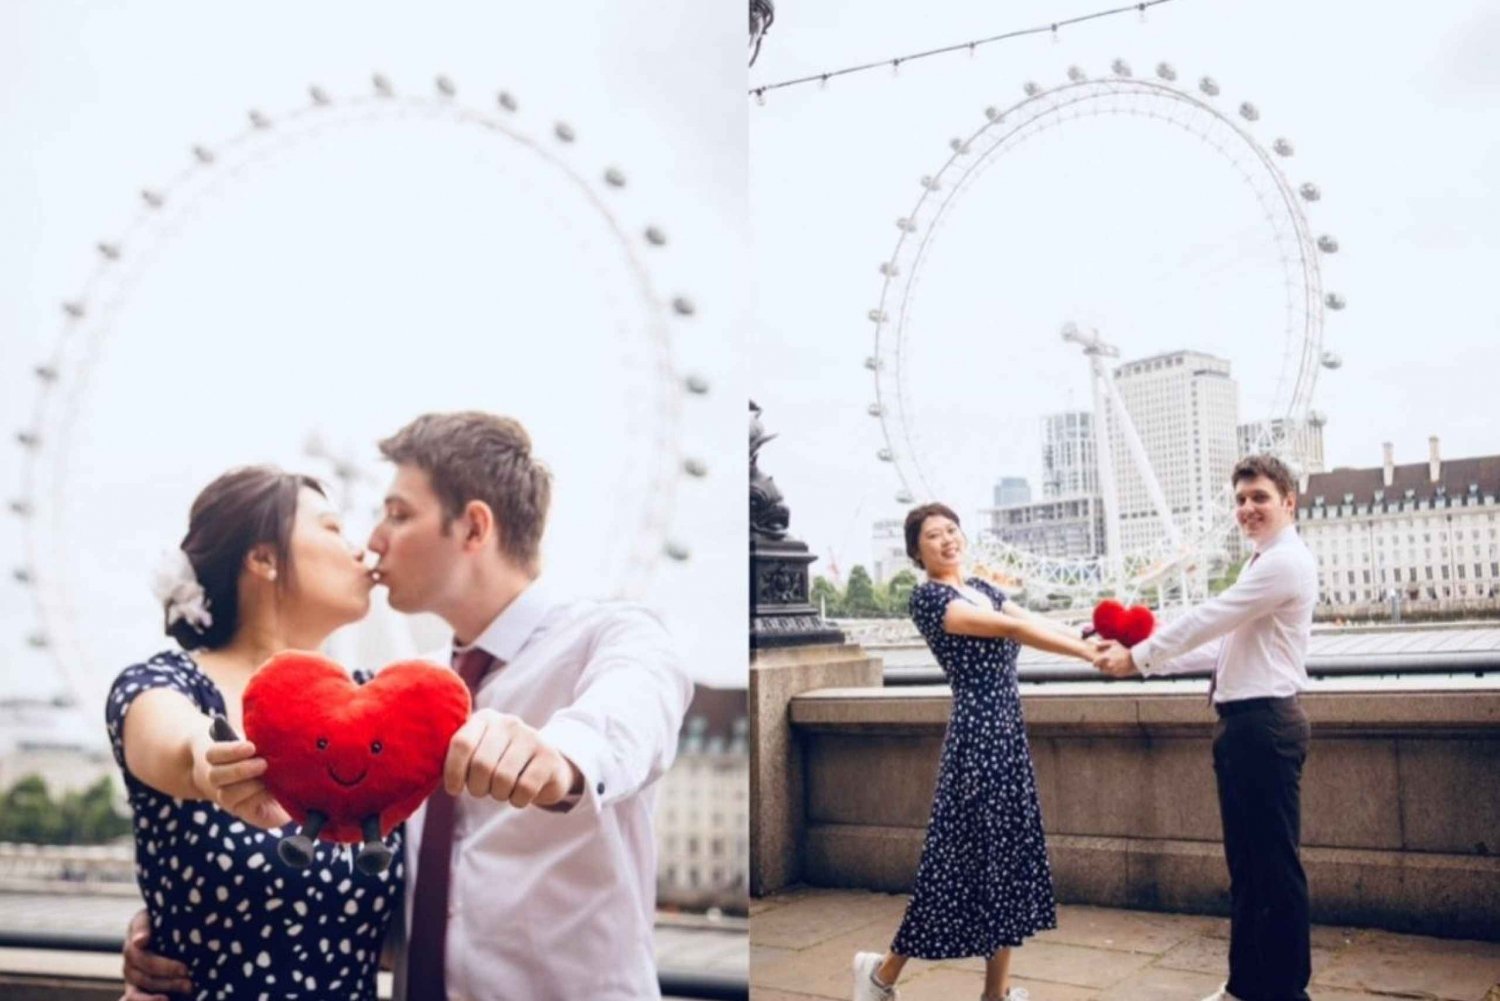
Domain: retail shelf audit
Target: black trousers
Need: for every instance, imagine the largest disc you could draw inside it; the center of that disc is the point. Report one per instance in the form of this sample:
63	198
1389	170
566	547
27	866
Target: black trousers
1259	748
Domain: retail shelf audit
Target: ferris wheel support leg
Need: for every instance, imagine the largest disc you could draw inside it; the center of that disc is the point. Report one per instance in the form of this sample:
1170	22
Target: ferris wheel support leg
1143	465
1107	487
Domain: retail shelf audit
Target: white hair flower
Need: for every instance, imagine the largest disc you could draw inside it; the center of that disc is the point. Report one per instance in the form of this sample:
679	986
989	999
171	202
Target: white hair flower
176	587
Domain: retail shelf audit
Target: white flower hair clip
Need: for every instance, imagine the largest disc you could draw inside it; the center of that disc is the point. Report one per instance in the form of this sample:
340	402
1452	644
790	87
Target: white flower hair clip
176	587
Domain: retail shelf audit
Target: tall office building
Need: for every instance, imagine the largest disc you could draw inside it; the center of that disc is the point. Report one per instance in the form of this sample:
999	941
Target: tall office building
1185	407
888	544
1012	490
1070	466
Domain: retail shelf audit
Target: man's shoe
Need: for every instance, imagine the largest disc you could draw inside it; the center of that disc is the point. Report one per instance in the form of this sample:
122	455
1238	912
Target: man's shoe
866	988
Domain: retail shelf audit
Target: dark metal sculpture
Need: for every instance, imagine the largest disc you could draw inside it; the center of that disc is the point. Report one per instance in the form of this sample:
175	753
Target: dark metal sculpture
762	13
780	612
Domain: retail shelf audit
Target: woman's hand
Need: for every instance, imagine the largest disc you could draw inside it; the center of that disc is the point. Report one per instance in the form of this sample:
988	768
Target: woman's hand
229	773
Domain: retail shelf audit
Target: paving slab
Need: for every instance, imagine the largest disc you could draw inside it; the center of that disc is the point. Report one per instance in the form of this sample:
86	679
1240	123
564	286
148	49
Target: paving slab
1416	966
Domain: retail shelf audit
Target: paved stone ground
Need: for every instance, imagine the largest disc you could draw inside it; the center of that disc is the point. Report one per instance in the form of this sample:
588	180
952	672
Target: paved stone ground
802	941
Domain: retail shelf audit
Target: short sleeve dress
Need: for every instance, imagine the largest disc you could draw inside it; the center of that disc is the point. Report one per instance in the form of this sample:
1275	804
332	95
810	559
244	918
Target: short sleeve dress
221	900
983	882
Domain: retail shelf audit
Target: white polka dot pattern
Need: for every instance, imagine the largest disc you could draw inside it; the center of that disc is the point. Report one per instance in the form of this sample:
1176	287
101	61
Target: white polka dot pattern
983	882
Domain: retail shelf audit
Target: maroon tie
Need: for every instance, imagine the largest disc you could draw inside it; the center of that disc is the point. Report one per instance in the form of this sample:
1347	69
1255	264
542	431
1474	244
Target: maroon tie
429	911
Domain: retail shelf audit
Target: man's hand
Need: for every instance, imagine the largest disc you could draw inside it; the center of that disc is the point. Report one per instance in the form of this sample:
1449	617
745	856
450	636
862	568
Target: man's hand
498	755
229	773
1114	660
149	977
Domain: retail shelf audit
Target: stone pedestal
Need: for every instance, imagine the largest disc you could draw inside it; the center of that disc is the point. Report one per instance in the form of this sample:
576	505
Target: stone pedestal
781	613
778	815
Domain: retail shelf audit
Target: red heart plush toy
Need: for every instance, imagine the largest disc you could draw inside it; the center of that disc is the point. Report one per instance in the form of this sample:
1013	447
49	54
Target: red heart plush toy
350	762
1129	626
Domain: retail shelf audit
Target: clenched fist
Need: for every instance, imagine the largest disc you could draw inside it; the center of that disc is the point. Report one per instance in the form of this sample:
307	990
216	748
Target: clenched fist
498	755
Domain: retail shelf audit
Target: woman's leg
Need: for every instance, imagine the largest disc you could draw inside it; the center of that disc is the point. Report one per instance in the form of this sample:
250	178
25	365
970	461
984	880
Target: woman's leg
890	968
997	974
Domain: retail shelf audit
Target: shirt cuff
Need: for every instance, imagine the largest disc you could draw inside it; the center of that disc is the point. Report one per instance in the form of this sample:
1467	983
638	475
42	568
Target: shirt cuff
588	752
1143	656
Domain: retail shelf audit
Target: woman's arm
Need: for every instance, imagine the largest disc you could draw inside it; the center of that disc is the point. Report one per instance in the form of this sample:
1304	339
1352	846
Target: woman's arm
965	619
1016	610
165	735
170	747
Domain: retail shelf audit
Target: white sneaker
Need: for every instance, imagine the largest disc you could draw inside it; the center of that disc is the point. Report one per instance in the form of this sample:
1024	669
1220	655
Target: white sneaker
1222	994
1018	994
865	987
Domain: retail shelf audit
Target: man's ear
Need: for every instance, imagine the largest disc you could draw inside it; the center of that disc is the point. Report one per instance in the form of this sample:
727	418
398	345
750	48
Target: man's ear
478	525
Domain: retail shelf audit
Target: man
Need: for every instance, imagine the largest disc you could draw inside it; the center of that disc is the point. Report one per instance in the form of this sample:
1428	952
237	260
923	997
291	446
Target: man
1254	636
538	881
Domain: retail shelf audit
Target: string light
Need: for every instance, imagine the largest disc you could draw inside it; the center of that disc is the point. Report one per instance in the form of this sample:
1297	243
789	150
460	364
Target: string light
894	63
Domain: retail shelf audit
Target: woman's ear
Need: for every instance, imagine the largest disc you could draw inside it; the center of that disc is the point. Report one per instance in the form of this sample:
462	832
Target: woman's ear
260	562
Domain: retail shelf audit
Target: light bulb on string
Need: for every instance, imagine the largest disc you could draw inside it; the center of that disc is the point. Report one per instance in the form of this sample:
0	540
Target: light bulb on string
1140	9
823	82
760	97
1056	39
895	67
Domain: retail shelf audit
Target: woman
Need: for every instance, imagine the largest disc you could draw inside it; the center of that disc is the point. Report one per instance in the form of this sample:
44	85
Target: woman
983	884
264	567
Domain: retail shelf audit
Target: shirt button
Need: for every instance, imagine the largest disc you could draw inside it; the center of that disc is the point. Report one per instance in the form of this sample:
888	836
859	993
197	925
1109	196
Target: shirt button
599	788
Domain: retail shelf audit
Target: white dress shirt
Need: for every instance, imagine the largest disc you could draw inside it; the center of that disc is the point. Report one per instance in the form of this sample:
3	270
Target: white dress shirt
1254	636
562	905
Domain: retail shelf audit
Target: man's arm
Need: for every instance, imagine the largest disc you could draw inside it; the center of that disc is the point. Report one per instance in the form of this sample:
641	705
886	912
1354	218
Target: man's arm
621	730
1261	588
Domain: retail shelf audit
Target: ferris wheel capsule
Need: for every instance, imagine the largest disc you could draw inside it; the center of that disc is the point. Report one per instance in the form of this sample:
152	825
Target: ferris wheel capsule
1120	67
875	410
1283	147
992	113
1310	192
872	363
20	508
1076	74
1209	86
1032	88
1332	361
21	575
1249	112
958	146
889	269
1166	71
1316	418
905	225
876	315
886	455
1334	301
905	497
1328	244
110	251
931	183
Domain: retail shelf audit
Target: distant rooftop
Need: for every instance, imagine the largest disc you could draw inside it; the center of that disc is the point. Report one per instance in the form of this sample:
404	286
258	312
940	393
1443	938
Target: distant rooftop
1367	485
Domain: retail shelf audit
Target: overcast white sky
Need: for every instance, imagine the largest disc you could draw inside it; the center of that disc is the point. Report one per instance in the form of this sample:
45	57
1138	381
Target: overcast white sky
1395	113
345	282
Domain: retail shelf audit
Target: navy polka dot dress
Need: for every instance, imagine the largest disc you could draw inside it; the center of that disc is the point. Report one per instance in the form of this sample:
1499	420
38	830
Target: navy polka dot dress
220	898
983	882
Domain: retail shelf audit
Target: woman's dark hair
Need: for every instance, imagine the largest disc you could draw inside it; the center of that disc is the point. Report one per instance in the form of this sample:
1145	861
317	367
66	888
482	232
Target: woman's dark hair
914	519
242	509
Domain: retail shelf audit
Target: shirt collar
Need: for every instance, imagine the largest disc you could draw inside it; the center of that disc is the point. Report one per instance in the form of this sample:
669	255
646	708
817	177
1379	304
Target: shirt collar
1288	531
513	627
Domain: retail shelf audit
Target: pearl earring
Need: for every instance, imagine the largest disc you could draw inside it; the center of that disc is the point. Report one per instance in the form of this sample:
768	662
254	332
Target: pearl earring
272	574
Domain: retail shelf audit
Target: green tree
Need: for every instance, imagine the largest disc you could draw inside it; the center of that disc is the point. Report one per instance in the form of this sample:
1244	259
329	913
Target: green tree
860	600
898	592
27	813
1220	584
826	596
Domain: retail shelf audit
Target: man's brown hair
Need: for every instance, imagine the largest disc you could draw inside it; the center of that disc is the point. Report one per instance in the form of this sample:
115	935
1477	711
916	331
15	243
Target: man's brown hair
1268	466
472	455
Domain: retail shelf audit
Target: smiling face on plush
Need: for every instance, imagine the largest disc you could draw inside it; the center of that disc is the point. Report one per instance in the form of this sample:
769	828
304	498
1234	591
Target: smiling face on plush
352	751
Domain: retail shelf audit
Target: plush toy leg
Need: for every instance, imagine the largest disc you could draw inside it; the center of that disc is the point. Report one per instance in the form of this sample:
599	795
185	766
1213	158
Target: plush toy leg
297	850
373	856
